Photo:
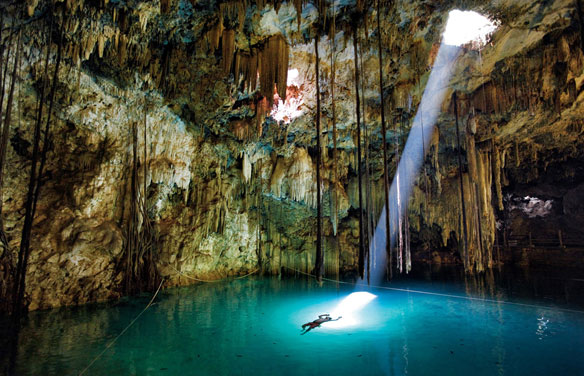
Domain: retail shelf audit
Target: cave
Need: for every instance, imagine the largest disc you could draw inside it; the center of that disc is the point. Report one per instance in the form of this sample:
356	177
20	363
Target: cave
226	187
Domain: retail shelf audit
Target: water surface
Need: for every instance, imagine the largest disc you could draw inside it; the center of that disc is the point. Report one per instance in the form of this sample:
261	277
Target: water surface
252	326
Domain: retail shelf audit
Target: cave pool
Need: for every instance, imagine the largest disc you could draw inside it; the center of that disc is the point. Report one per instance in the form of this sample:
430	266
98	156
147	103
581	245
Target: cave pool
251	326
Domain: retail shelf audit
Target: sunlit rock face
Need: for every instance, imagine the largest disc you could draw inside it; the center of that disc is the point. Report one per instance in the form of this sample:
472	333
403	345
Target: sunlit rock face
231	182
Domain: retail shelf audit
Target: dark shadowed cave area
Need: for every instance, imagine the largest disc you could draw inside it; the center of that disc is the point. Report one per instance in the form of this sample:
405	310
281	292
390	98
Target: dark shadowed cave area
335	187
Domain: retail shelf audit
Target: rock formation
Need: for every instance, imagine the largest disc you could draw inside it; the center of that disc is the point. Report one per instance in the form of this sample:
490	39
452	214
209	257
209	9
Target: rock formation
165	109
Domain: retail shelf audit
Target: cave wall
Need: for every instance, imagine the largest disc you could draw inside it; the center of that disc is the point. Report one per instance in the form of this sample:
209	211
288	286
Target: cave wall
229	190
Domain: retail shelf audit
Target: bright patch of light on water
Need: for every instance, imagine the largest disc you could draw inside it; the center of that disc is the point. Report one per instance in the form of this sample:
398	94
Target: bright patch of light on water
348	309
253	326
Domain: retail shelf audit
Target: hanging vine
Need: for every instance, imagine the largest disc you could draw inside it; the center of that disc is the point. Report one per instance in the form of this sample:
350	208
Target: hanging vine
37	167
4	122
140	238
319	266
335	178
399	238
384	138
368	224
20	275
334	211
404	224
6	255
362	251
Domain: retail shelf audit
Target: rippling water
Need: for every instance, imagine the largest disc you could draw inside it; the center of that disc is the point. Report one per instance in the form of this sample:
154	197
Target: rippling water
252	327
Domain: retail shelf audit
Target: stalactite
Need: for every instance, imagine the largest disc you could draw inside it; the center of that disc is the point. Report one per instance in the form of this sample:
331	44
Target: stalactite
359	173
475	245
116	38
462	199
267	72
165	6
213	35
246	64
480	259
273	67
123	49
228	45
233	12
319	254
361	6
72	6
580	21
30	7
298	7
270	62
163	82
282	66
89	45
262	108
76	55
231	17
487	226
246	168
534	166
497	174
100	45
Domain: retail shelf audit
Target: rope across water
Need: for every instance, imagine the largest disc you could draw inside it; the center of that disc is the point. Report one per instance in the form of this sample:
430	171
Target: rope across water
123	331
111	343
213	280
484	300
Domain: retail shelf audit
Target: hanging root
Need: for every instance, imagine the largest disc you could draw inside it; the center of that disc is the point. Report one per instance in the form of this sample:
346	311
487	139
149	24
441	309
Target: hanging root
358	114
140	238
319	253
384	138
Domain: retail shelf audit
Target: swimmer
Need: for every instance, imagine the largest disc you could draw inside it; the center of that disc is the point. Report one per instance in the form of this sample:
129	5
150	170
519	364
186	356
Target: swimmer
316	323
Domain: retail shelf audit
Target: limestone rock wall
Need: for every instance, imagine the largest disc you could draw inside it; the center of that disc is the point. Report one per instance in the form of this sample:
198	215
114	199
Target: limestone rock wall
230	190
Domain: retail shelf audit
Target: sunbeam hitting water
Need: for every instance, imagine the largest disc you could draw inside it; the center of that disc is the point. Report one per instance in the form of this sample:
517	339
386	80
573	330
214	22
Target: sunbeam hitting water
420	135
252	326
349	308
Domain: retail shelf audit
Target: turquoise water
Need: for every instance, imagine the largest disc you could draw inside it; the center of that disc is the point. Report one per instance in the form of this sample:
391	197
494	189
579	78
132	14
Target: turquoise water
252	327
